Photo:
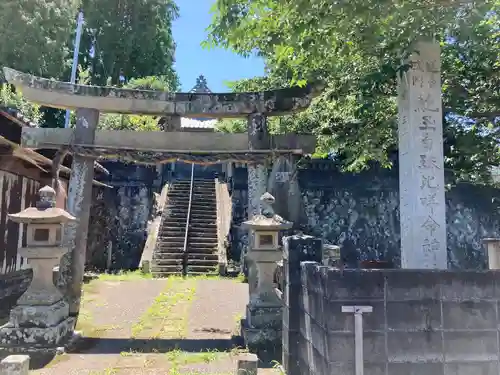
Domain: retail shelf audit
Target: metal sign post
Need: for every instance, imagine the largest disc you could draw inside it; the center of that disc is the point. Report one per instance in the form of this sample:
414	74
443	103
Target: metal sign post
358	333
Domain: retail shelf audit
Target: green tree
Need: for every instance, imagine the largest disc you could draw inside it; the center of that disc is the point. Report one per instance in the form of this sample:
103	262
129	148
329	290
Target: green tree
129	37
12	99
356	48
35	35
111	121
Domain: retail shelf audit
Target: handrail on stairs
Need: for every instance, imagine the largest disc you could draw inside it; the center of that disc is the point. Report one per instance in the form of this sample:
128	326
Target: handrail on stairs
186	234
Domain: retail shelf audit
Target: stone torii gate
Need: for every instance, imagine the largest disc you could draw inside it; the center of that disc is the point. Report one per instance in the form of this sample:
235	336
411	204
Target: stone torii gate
87	144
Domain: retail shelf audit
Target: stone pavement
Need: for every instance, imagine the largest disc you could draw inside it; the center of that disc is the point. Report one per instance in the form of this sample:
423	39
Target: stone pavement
170	326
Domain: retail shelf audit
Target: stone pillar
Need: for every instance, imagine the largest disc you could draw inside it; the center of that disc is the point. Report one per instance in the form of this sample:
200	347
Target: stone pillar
79	200
421	171
493	249
296	249
258	139
283	185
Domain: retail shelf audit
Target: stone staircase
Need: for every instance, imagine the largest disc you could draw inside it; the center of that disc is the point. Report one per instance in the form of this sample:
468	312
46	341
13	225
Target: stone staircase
201	257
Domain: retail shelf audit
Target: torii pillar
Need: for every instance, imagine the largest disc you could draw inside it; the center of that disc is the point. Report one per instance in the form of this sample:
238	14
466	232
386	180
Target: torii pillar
258	139
72	265
421	165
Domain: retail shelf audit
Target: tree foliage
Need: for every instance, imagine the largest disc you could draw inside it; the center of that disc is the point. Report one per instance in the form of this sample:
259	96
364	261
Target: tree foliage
357	47
132	38
12	99
35	35
112	121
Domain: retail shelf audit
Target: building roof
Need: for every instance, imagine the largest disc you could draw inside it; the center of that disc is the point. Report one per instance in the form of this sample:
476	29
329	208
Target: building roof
10	138
34	159
201	87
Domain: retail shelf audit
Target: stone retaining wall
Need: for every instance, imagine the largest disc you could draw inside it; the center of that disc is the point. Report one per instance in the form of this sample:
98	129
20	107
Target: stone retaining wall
423	322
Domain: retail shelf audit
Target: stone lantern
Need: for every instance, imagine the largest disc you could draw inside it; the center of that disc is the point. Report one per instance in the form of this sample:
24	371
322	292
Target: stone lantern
263	323
40	319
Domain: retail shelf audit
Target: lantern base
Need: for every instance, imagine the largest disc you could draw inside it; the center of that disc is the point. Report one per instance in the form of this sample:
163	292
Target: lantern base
266	342
264	316
39	316
37	338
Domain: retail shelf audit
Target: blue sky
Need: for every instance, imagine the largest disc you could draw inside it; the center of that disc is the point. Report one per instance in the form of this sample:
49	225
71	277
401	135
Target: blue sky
217	65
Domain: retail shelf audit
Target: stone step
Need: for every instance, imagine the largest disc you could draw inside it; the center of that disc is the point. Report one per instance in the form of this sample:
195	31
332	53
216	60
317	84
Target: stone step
178	191
204	206
209	237
174	222
165	249
184	202
187	186
172	234
194	207
160	249
172	204
171	240
195	199
180	255
191	262
200	230
159	271
193	229
205	241
194	222
199	269
168	262
203	211
203	226
196	192
201	243
176	214
175	226
206	215
177	201
181	225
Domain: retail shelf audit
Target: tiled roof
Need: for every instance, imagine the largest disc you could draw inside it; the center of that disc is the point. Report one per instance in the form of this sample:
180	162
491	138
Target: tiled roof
201	87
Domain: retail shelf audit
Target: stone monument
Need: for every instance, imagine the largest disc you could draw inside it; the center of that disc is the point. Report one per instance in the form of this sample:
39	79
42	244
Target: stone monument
263	324
421	166
40	321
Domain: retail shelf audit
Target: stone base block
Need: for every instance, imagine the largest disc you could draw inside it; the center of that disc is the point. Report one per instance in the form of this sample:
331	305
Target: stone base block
15	365
264	316
248	364
38	316
18	339
265	342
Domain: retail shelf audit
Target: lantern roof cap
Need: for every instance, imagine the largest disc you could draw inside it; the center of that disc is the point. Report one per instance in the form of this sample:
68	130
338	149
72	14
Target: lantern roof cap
267	219
44	212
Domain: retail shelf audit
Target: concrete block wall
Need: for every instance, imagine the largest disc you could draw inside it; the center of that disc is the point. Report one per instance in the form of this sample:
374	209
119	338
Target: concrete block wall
423	322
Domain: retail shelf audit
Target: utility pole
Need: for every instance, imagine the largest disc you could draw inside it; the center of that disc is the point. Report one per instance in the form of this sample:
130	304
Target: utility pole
78	37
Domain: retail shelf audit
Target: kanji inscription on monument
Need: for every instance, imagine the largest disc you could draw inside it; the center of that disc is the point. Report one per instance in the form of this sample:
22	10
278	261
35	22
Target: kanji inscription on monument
422	199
